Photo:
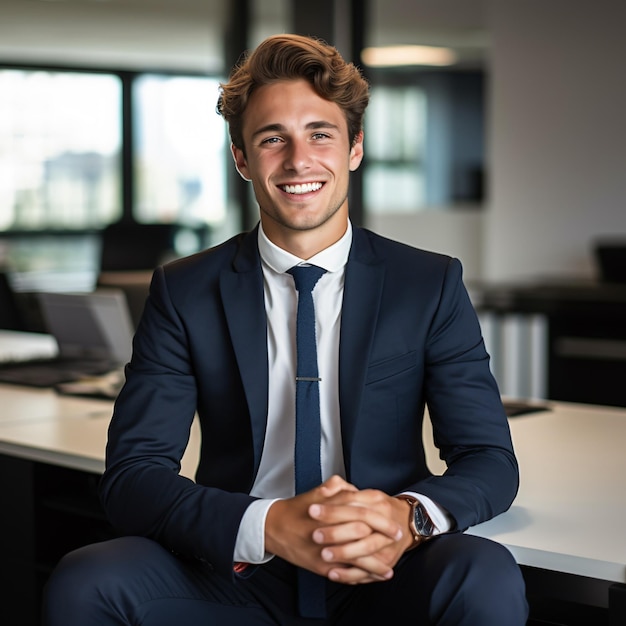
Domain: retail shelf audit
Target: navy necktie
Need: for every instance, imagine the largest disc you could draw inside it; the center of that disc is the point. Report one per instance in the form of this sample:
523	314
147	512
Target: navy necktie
308	471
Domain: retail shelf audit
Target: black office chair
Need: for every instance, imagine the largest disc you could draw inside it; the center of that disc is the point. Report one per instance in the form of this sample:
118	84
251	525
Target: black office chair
132	246
130	252
10	314
610	256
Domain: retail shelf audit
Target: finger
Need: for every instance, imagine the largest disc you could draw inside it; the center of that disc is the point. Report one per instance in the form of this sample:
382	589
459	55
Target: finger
341	533
336	514
368	498
350	575
353	551
365	572
334	485
350	494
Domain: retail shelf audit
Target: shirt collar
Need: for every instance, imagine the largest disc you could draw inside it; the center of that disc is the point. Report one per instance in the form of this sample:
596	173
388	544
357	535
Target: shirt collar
332	259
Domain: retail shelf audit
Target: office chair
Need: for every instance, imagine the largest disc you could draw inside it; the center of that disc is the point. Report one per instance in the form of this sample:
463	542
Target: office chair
131	246
10	314
611	259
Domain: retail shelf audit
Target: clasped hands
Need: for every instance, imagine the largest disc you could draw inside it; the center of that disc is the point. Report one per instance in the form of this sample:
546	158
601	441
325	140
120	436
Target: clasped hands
349	535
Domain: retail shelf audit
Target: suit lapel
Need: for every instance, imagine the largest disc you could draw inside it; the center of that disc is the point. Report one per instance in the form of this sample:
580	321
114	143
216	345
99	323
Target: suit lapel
361	302
242	294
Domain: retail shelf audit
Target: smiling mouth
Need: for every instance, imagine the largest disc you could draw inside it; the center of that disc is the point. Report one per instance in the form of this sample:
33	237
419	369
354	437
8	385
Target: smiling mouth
301	189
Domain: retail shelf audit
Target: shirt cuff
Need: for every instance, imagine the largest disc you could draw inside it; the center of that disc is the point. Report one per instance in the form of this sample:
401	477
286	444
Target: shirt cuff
250	543
439	516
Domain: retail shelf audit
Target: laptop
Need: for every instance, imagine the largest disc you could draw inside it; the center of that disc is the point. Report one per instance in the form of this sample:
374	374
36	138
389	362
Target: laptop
93	332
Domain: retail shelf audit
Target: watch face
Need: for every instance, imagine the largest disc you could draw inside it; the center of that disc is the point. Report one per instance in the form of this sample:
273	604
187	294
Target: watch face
423	523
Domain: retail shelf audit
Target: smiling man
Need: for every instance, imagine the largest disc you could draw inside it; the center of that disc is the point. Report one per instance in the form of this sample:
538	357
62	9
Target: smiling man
309	350
298	156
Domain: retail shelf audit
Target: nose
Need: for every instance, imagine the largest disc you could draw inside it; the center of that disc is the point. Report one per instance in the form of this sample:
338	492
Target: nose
297	156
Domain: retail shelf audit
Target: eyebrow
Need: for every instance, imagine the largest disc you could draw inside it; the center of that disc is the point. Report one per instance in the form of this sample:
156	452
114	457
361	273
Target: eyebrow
279	128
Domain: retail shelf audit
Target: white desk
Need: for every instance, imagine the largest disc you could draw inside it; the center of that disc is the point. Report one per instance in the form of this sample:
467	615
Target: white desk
52	450
570	512
41	425
569	516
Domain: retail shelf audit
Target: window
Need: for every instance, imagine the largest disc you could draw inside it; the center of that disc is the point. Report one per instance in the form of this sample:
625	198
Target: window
395	134
180	150
424	141
60	145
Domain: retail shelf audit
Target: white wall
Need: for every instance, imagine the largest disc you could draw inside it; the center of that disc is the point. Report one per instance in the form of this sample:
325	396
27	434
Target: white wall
557	145
457	232
557	135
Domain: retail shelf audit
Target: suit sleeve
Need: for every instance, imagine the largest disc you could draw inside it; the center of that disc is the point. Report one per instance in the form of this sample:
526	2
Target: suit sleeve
470	426
141	489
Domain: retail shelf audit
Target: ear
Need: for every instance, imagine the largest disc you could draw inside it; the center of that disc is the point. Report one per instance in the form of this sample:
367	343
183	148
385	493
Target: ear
356	152
240	162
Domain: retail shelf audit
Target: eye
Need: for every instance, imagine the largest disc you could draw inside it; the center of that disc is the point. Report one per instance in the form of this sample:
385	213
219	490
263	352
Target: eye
270	140
320	136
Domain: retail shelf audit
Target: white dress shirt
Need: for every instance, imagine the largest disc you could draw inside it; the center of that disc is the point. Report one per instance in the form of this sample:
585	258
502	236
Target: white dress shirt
275	478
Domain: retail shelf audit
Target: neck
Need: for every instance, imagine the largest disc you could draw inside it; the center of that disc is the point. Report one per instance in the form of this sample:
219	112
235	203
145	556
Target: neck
305	243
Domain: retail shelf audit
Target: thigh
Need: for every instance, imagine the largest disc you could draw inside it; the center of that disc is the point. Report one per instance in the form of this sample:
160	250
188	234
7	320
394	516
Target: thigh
454	579
133	580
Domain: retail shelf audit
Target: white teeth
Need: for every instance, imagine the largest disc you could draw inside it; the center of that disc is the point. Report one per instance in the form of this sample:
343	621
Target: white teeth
305	188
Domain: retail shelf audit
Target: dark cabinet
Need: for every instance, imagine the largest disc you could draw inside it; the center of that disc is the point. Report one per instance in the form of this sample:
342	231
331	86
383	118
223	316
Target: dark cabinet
47	511
586	336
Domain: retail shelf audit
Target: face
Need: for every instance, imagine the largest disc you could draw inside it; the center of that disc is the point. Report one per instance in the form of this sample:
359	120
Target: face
298	158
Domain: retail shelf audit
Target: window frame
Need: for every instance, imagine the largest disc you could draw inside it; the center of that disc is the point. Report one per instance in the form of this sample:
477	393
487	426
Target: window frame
127	155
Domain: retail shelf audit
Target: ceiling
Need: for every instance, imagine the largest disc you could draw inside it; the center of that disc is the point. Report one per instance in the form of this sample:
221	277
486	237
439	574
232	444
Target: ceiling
188	34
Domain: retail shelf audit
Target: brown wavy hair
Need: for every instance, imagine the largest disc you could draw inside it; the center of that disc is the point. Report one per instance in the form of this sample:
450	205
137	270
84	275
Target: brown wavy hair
294	57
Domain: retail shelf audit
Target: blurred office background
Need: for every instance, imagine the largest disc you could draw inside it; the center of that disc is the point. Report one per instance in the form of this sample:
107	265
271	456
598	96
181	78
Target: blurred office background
508	152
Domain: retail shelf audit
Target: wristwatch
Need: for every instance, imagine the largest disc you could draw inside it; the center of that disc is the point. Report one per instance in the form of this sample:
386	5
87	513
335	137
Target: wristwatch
420	524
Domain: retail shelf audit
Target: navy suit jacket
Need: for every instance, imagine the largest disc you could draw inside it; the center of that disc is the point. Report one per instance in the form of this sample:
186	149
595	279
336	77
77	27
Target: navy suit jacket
409	337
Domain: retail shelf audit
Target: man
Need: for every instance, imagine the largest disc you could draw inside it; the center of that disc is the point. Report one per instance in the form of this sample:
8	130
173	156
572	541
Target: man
374	538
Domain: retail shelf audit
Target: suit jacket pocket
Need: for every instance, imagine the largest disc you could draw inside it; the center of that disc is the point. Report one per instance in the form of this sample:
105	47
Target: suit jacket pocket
390	367
388	436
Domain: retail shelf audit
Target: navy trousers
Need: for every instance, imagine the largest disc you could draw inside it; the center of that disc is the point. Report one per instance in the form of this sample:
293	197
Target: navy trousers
455	579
